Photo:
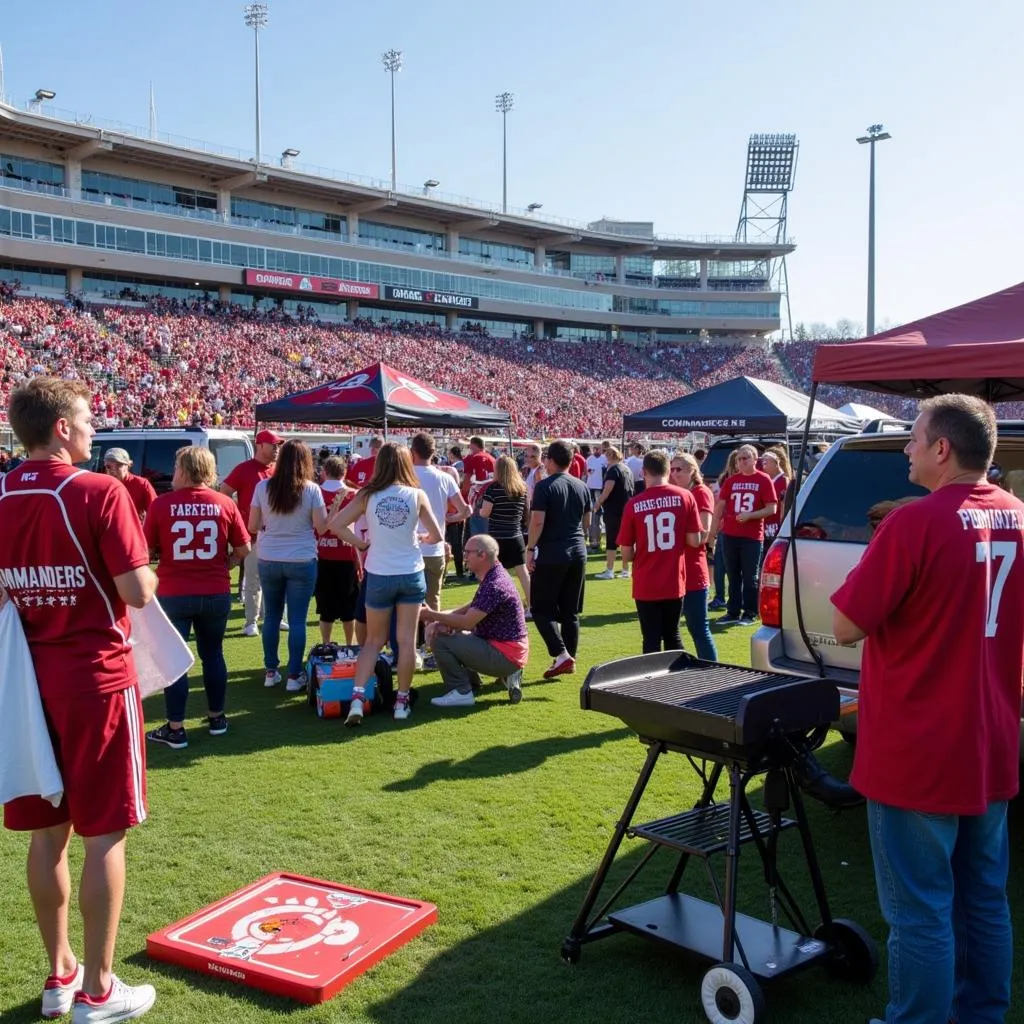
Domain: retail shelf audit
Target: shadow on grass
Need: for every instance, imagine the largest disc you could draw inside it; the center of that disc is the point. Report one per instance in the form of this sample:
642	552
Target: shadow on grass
502	760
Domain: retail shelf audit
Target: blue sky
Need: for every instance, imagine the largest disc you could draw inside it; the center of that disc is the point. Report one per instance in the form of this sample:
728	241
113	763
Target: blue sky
640	111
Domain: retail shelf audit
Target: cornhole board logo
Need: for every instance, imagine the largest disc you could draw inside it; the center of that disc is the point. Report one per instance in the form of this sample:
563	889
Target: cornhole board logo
293	936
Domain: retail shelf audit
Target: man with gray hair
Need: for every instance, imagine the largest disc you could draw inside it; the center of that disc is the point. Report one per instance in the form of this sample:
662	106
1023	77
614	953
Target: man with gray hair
487	636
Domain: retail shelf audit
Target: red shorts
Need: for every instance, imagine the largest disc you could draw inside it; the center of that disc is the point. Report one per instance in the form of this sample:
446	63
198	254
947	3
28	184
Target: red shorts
101	752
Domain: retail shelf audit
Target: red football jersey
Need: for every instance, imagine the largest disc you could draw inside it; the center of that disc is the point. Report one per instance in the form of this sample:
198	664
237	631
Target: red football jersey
578	466
140	490
697	575
243	480
359	473
940	593
656	523
746	493
65	533
477	466
192	530
329	547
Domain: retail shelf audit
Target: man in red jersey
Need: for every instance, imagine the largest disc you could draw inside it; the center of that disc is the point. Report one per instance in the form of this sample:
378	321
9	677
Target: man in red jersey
361	470
72	558
745	501
118	463
657	527
477	472
198	535
938	598
578	466
338	569
241	483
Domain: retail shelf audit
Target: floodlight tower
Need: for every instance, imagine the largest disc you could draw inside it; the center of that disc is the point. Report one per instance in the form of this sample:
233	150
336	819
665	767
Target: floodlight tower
256	18
876	133
503	103
770	177
392	61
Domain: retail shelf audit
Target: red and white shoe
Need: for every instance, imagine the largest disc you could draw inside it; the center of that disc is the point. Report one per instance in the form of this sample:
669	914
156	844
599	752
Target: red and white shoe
122	1002
59	993
565	667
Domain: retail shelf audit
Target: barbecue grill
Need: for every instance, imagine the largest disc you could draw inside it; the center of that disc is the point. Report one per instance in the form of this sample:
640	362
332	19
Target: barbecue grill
746	724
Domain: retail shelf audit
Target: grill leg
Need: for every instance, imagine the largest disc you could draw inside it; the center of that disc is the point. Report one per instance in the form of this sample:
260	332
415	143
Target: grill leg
579	926
813	867
732	863
705	801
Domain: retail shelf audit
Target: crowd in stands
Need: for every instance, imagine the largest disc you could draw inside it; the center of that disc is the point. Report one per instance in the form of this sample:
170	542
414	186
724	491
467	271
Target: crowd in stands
171	362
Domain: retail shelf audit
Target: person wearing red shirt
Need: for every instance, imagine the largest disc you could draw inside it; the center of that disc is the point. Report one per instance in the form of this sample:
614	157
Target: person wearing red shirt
241	483
745	500
360	471
477	473
775	463
72	559
938	599
338	570
118	463
658	527
685	472
578	466
198	536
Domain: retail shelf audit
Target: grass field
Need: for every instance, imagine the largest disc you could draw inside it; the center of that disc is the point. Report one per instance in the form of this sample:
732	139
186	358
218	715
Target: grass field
497	814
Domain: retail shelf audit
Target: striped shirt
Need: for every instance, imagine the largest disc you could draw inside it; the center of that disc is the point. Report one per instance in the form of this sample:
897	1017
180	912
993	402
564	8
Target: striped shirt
507	515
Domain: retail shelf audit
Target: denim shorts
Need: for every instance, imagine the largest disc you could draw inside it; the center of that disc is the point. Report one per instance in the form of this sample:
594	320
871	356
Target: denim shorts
383	592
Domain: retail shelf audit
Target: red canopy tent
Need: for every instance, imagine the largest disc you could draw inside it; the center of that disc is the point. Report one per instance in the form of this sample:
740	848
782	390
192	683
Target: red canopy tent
976	348
380	396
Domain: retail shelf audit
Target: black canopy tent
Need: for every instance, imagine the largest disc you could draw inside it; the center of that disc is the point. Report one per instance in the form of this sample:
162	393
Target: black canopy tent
743	405
379	397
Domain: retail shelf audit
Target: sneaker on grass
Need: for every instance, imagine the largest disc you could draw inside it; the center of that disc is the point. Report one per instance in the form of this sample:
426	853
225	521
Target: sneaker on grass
452	699
625	575
122	1002
59	993
218	724
514	683
402	707
296	683
251	630
176	739
272	677
608	574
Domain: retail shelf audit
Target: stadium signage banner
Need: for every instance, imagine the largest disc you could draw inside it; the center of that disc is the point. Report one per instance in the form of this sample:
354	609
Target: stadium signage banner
315	285
431	298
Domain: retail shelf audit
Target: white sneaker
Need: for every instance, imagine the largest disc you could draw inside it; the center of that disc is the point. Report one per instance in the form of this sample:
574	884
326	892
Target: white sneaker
271	678
355	711
284	626
251	630
58	995
296	683
453	699
625	575
403	709
122	1002
608	574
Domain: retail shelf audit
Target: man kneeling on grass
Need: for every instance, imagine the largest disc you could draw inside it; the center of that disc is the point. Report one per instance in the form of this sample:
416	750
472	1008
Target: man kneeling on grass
486	636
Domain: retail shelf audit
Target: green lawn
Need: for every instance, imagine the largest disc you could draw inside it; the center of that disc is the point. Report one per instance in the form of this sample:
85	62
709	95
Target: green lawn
497	814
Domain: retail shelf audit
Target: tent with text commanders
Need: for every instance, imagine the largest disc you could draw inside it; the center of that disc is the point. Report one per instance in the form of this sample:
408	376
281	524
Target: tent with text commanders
380	396
976	348
743	405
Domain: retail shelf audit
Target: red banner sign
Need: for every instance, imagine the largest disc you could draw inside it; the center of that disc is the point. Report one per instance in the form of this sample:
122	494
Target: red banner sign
283	281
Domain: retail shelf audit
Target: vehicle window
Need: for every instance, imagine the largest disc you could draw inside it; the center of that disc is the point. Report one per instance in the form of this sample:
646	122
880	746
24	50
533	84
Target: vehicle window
101	444
851	484
158	464
713	466
228	452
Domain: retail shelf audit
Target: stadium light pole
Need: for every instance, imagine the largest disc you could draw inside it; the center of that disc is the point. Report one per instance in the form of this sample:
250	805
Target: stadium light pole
503	103
876	133
256	18
392	60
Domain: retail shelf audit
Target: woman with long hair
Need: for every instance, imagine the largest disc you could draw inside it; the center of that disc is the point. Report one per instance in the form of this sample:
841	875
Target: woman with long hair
287	510
685	472
775	463
507	511
395	507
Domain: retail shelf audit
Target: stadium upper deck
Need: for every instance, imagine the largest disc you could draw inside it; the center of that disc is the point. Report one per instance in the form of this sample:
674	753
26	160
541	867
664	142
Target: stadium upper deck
94	210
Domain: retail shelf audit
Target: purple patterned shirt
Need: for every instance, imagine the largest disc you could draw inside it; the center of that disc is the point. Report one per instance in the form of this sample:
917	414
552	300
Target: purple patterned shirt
498	599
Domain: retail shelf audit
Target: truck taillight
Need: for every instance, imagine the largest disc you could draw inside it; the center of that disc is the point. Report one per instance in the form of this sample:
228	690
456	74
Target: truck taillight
770	600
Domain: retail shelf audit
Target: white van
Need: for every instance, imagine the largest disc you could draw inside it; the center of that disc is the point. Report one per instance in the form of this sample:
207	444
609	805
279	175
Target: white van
152	449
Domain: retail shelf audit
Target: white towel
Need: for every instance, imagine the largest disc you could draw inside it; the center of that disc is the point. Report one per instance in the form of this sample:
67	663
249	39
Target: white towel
161	656
27	764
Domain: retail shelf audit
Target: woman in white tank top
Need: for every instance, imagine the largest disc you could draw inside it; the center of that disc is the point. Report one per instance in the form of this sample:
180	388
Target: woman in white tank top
395	508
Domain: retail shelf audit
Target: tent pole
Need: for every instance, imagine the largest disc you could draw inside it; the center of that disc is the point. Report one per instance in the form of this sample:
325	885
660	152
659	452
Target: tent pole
385	426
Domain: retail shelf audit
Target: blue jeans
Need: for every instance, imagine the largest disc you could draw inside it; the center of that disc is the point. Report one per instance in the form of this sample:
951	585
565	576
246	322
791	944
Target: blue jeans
942	888
743	567
477	525
290	583
695	612
208	616
719	569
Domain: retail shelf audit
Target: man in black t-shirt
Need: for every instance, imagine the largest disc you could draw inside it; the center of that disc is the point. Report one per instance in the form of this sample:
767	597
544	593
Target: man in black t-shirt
618	489
557	557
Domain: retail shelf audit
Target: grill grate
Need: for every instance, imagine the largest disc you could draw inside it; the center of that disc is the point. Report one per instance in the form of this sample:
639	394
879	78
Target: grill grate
716	690
702	831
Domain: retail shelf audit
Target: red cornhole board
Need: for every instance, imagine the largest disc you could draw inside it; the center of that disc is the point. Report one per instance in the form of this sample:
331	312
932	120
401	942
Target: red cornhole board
298	937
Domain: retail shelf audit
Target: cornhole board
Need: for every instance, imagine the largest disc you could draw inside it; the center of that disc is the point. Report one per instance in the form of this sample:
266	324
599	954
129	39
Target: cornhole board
293	936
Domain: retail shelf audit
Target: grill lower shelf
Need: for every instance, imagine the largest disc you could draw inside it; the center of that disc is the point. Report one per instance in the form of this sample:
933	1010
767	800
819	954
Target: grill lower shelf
684	922
702	831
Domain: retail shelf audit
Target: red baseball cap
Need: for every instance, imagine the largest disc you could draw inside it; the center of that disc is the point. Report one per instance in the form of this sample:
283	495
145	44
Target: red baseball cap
268	437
